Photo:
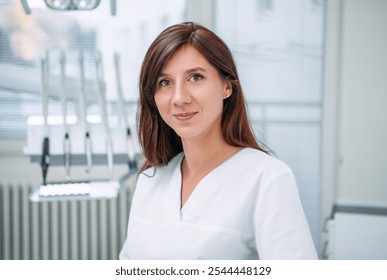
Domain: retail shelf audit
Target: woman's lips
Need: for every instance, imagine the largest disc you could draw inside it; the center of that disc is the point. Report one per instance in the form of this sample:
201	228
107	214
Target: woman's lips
184	116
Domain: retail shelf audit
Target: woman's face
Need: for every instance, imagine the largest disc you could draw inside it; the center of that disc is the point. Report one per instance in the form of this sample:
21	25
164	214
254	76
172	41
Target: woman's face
190	93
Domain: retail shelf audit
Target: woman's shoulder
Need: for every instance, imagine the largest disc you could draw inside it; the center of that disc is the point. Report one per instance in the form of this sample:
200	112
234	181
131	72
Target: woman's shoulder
258	158
259	164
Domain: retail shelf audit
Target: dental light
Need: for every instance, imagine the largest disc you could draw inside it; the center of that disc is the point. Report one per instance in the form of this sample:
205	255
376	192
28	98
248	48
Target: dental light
71	5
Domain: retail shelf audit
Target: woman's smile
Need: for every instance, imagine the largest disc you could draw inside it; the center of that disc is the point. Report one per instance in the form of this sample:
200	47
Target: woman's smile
185	116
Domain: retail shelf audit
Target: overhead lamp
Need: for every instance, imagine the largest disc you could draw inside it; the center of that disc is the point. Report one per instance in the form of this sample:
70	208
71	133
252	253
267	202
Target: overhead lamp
71	5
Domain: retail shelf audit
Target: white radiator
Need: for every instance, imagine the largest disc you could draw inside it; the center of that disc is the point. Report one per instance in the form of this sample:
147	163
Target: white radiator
69	230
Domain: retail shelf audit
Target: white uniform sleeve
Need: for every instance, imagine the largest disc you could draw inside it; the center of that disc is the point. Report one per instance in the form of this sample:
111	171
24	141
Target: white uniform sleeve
281	228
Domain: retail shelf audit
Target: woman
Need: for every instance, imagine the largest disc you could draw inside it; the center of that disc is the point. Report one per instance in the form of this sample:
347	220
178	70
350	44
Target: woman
207	190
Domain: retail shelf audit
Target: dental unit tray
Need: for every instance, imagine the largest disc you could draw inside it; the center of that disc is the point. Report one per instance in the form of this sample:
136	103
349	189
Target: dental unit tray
66	190
83	190
35	135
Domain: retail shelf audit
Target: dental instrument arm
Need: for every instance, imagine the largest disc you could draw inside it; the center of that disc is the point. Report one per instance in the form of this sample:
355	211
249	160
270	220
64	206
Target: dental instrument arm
105	121
123	114
63	97
83	114
45	160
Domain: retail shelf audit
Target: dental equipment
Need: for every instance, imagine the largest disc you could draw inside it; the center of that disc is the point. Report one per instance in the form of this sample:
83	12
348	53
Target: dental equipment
63	98
45	160
83	114
72	150
123	115
105	121
70	5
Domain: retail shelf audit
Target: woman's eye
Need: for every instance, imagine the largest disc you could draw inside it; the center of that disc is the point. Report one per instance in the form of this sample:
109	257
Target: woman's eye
164	83
196	77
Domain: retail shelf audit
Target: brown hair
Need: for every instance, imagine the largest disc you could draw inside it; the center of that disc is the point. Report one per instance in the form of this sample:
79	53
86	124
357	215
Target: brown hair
159	142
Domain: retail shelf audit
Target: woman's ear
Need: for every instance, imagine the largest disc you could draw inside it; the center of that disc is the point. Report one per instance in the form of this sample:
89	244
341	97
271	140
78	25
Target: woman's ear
227	89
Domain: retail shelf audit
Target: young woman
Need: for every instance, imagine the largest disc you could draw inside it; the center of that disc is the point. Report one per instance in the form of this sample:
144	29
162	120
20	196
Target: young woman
207	190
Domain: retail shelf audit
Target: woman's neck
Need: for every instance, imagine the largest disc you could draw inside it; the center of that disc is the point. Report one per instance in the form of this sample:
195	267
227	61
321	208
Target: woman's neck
201	156
204	154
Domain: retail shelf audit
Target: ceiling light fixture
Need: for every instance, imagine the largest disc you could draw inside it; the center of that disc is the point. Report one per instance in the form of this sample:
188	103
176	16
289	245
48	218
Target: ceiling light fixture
71	5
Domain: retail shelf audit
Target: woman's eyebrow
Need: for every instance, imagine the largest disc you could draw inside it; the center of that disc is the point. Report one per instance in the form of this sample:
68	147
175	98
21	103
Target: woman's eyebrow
188	71
163	75
195	69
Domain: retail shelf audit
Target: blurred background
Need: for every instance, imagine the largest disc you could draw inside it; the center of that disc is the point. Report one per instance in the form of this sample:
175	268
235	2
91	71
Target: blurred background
314	74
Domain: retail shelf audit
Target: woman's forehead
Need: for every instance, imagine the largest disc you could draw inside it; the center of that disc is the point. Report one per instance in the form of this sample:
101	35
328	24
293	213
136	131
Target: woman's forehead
186	59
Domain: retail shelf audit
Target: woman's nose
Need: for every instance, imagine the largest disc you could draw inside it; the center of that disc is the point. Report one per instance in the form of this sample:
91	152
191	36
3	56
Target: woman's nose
181	95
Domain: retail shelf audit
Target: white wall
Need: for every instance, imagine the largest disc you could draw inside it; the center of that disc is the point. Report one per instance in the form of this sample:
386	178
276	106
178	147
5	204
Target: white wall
355	100
200	11
363	114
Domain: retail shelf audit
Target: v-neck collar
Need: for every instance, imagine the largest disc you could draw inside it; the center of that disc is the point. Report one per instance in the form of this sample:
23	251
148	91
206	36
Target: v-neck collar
177	180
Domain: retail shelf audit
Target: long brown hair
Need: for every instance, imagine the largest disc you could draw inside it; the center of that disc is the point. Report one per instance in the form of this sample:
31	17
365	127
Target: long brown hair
159	142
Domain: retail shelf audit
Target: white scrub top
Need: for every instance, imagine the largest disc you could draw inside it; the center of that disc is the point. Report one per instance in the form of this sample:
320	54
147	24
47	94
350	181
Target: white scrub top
246	208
